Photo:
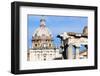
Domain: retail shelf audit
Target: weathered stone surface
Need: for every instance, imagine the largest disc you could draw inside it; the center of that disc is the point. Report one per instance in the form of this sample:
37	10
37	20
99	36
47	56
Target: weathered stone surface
75	39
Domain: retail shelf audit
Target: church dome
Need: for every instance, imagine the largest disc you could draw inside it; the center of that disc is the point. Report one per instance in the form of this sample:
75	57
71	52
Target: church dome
42	31
42	38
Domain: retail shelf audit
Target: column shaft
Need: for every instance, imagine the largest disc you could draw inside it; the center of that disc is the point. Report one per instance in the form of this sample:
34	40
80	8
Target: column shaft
77	52
70	52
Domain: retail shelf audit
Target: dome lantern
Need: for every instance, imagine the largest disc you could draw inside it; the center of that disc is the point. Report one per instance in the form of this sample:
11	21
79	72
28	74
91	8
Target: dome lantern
42	22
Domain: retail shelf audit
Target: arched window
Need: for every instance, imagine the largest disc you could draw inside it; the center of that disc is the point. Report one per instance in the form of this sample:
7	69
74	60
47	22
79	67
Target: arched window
49	45
35	45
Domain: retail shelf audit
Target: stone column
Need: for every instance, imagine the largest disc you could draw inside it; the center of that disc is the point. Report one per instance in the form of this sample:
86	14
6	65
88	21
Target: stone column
64	53
77	47
70	52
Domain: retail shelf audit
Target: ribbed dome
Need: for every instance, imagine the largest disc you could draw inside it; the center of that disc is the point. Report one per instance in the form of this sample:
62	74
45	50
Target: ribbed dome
42	38
42	31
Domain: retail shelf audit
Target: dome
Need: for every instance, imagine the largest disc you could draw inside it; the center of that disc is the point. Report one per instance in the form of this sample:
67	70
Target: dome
42	31
42	38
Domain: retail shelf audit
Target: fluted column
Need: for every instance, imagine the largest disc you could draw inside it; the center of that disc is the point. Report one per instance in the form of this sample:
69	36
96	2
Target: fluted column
77	48
70	52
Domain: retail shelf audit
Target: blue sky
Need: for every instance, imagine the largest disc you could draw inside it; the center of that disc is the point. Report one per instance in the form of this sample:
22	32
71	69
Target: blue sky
57	25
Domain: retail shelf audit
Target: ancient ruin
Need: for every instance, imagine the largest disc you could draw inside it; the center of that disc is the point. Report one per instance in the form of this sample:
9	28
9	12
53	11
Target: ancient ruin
70	40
